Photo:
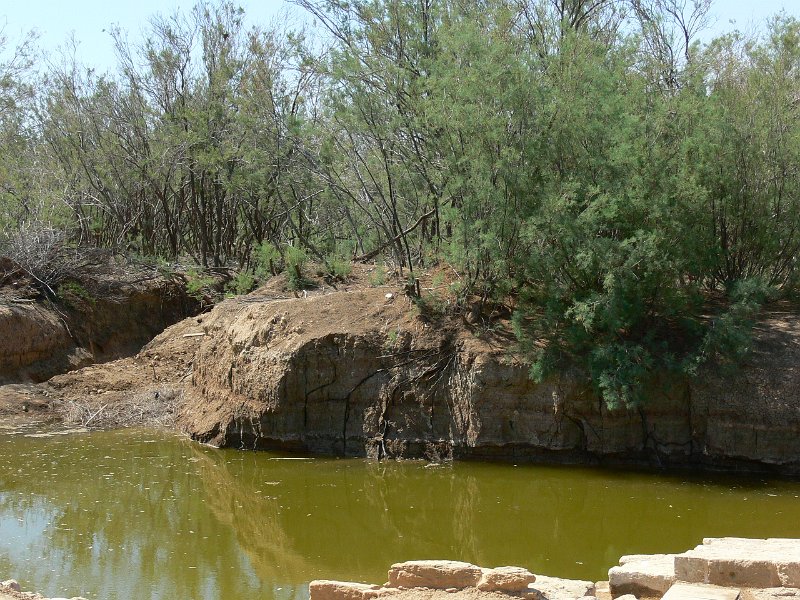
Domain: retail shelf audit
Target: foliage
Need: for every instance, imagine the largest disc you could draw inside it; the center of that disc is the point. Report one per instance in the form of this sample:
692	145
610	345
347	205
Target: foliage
295	259
377	276
198	284
636	192
338	268
729	337
69	290
243	283
267	261
393	338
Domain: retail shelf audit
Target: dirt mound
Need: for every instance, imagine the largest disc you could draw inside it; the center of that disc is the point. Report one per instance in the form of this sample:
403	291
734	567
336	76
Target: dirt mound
319	373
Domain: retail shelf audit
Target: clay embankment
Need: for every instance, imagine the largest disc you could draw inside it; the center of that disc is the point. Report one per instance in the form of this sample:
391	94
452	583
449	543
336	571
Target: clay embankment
360	370
718	569
110	312
360	373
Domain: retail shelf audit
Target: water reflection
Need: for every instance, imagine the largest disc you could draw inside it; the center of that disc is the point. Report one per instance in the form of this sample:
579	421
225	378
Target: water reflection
107	515
133	514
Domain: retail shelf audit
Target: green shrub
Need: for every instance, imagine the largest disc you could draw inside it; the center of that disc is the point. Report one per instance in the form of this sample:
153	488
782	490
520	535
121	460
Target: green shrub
729	338
70	290
338	267
198	285
393	337
295	259
243	283
267	261
378	276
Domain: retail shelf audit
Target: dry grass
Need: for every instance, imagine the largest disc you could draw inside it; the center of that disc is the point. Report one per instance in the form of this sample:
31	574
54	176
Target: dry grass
152	408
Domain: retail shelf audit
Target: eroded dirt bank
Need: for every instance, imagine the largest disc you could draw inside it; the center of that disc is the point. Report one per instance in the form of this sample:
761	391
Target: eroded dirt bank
360	371
110	312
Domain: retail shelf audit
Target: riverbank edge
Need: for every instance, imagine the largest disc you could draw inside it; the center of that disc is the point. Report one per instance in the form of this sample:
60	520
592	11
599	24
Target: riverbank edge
360	373
719	568
329	373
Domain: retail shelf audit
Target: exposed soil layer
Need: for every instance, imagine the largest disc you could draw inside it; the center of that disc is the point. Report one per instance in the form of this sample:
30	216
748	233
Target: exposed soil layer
358	373
110	312
364	370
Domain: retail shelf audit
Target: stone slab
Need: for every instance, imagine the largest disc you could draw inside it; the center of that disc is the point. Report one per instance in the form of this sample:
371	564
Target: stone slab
324	589
439	574
699	591
505	579
642	575
602	590
742	562
554	588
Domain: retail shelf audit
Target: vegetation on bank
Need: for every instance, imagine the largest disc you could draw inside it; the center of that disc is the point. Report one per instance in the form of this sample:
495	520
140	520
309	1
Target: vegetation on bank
634	194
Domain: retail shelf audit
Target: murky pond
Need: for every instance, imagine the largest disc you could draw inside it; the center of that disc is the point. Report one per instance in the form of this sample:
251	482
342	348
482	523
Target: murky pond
135	514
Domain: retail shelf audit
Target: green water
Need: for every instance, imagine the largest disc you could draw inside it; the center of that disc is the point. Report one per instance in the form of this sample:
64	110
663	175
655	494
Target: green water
133	514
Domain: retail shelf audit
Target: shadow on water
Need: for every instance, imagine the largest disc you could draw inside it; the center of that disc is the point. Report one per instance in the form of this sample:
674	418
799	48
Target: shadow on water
136	514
